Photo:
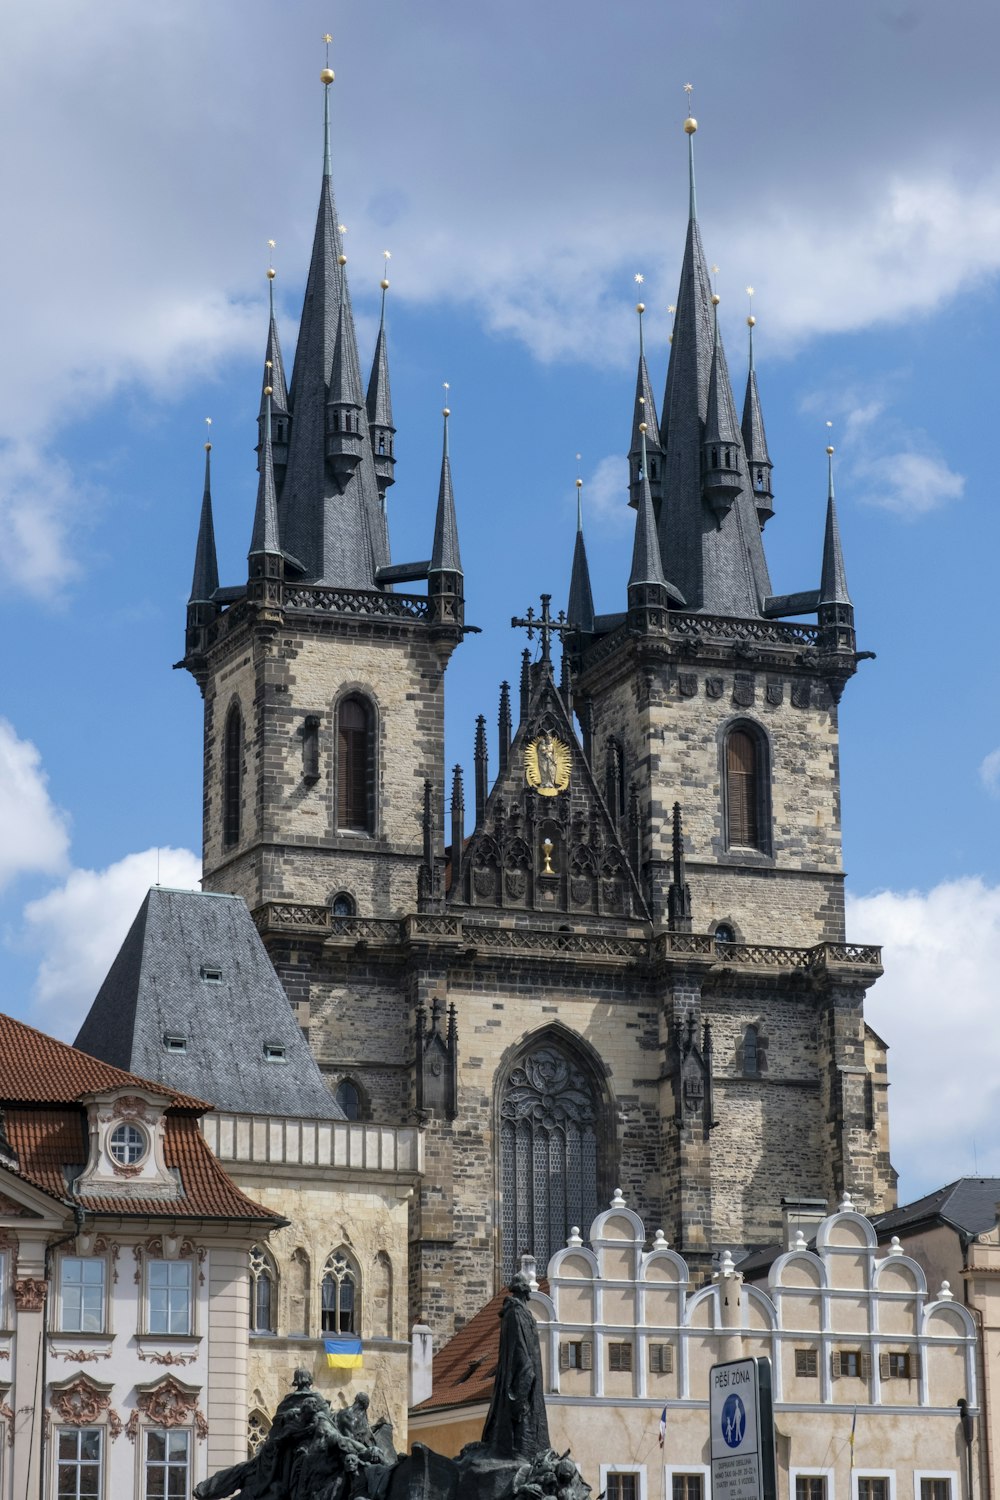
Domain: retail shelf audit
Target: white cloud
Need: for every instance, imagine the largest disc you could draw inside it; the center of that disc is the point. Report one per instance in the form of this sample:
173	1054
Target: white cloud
936	1007
80	925
605	494
989	772
35	838
909	483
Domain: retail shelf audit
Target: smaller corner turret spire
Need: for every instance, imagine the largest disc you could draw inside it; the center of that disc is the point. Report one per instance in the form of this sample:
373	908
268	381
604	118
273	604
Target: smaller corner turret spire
265	561
721	482
445	580
647	565
379	401
754	436
833	582
274	376
690	128
581	598
206	566
644	411
344	403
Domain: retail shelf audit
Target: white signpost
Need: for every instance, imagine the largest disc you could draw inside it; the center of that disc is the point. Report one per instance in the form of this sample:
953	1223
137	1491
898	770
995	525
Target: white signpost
742	1425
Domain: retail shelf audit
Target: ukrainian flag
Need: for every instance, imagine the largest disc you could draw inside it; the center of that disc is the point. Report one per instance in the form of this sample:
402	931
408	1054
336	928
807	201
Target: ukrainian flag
343	1353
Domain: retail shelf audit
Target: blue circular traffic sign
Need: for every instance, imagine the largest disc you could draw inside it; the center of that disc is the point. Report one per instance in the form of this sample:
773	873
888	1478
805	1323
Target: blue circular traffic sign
734	1421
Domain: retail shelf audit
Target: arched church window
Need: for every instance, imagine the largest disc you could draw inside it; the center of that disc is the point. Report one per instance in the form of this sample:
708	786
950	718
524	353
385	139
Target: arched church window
746	792
263	1289
751	1054
381	442
232	776
344	905
355	764
348	1096
258	1427
551	1151
339	1294
724	933
760	479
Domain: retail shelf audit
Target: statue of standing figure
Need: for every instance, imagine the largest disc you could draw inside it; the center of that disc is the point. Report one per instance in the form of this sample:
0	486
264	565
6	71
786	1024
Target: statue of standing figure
516	1425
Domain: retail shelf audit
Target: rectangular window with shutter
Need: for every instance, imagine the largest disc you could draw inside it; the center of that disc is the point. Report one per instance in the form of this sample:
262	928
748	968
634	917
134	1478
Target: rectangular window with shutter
850	1363
896	1366
576	1354
661	1359
619	1356
806	1362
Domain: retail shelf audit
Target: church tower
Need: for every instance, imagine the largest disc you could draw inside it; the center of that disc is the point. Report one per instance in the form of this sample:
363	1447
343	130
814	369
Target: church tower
323	685
629	968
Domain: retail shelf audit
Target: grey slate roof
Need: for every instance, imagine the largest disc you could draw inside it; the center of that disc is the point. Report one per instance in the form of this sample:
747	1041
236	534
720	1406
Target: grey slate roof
275	377
206	565
156	987
445	554
833	579
264	540
647	565
341	539
719	569
969	1204
645	406
752	426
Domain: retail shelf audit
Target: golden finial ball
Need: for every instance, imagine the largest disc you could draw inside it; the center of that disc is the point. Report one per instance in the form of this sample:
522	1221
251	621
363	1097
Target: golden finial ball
208	447
342	259
640	307
670	338
690	125
643	427
268	391
579	484
271	273
384	284
751	321
446	411
829	450
326	76
716	299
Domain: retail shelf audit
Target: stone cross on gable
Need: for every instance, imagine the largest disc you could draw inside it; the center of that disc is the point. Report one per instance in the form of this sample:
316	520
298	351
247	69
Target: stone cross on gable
544	624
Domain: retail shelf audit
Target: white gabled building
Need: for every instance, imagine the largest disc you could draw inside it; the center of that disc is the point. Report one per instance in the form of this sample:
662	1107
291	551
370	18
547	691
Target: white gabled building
124	1269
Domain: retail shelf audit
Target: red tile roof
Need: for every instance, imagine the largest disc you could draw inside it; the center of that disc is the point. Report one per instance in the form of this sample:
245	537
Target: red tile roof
465	1367
36	1069
51	1137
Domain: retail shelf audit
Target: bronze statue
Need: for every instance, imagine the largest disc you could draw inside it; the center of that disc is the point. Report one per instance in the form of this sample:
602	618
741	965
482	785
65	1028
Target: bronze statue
516	1424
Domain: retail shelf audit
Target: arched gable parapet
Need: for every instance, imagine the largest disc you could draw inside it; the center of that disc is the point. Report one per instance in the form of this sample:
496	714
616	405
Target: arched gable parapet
826	1234
542	1300
695	1304
669	1258
896	1263
814	1265
950	1317
576	1252
617	1213
764	1305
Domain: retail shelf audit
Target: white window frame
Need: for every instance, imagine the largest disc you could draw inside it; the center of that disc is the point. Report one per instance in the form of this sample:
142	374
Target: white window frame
638	1469
168	1432
97	1427
828	1474
142	1140
950	1474
867	1473
669	1470
168	1333
64	1261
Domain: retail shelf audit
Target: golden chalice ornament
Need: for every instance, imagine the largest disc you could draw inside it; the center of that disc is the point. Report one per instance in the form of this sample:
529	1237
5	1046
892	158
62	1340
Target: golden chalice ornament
547	765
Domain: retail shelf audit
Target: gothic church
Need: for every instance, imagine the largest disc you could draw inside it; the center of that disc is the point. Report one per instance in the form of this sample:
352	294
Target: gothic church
621	960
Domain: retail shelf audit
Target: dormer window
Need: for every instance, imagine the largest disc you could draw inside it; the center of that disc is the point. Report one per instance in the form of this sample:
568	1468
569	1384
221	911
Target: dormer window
128	1145
172	1042
211	975
274	1052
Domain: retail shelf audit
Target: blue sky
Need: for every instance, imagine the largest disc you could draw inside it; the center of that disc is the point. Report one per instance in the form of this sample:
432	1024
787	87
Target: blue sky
522	165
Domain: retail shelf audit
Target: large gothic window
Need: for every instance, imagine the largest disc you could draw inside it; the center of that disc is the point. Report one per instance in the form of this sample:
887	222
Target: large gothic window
746	789
355	765
550	1126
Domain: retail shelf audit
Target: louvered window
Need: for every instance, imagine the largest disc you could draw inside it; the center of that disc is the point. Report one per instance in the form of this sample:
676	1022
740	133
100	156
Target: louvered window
619	1356
354	765
850	1363
576	1354
232	777
742	787
806	1365
661	1359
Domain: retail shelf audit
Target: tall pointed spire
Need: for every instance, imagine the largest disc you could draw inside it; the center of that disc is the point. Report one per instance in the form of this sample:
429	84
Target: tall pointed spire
379	404
719	566
332	517
581	599
755	438
721	443
647	565
644	411
445	582
274	376
833	580
206	564
264	543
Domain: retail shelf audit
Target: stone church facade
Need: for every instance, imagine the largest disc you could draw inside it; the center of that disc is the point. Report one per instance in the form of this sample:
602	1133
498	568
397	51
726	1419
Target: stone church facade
620	961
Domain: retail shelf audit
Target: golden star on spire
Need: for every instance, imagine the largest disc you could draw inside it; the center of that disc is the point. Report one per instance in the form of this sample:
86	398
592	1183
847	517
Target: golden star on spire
342	228
387	254
638	278
688	87
327	38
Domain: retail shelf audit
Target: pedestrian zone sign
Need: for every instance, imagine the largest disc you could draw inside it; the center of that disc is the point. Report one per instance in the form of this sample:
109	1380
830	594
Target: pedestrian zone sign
742	1430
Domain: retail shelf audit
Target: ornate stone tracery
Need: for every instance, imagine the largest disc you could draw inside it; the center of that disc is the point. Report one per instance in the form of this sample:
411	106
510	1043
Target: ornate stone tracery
82	1403
168	1404
550	1110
